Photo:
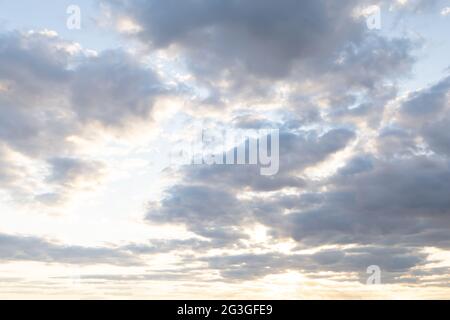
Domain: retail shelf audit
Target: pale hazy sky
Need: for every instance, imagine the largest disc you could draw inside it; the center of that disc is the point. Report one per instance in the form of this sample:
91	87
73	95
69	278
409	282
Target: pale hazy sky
91	205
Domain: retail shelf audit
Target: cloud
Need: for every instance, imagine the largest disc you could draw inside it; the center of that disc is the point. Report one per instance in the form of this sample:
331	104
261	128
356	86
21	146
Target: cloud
389	205
67	175
50	94
402	202
353	263
262	38
416	6
209	212
23	248
425	113
429	101
206	199
384	199
113	89
241	50
437	136
68	171
309	68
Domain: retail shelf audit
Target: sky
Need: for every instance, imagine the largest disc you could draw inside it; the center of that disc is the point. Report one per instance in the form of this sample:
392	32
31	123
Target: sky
96	104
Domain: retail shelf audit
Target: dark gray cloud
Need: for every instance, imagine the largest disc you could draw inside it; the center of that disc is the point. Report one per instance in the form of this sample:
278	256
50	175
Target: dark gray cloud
298	150
390	208
22	248
396	142
50	93
394	202
33	72
263	38
207	202
437	136
67	175
251	45
428	102
425	114
427	111
67	171
394	262
359	164
113	89
29	63
209	212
